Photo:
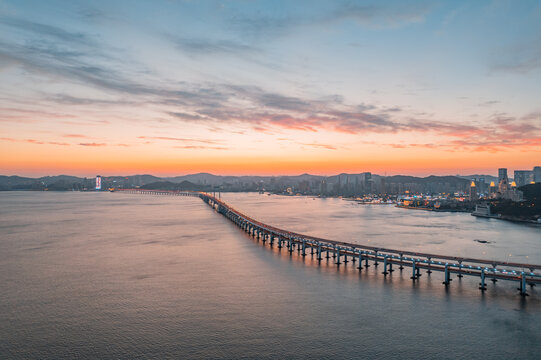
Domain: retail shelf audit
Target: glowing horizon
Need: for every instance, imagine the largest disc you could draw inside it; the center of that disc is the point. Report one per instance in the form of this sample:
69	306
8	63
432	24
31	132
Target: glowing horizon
269	88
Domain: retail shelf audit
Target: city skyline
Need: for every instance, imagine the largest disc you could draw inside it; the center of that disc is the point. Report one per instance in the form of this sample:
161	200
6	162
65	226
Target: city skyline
269	88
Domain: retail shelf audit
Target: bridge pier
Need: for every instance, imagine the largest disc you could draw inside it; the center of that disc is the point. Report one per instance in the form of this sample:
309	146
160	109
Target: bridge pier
413	275
460	269
376	258
429	263
384	265
401	262
304	247
338	256
522	287
482	285
447	280
319	252
360	267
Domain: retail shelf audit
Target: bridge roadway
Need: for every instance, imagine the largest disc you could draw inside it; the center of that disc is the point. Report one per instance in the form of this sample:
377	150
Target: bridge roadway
340	251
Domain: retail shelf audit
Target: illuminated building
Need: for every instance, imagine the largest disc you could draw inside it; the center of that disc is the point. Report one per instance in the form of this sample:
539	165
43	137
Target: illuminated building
492	190
98	182
474	195
503	180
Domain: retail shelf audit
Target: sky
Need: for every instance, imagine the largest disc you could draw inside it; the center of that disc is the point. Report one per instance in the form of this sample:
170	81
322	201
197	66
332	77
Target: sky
269	87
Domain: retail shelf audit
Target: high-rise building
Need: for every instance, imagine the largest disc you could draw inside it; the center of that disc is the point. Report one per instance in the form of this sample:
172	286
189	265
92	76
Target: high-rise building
537	174
474	195
502	174
523	177
98	182
492	190
503	180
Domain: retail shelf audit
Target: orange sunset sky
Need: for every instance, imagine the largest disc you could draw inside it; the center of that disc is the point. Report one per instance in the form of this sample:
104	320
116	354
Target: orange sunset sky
269	88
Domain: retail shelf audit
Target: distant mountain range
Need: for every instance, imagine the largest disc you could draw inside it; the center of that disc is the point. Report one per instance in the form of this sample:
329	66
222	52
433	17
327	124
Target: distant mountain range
488	178
363	182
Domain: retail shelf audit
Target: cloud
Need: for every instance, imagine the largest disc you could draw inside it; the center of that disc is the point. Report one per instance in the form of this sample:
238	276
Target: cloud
34	141
489	103
11	114
71	100
520	58
93	144
380	15
186	116
501	133
201	46
167	138
79	58
201	147
324	146
75	136
48	31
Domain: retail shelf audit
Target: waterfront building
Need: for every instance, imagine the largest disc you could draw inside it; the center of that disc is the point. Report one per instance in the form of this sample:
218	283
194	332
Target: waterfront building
474	194
503	180
502	175
98	182
537	174
523	177
492	190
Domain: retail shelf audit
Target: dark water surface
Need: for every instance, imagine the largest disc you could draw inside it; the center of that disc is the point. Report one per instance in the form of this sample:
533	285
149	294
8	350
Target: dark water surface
110	275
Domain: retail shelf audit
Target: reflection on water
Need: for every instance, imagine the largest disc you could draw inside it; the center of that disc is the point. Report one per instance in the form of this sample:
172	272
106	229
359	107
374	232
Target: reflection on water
104	275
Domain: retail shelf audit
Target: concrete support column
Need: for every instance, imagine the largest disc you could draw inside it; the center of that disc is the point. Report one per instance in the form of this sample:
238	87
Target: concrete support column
523	284
303	247
413	276
337	256
482	285
494	272
447	278
360	267
384	265
319	251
